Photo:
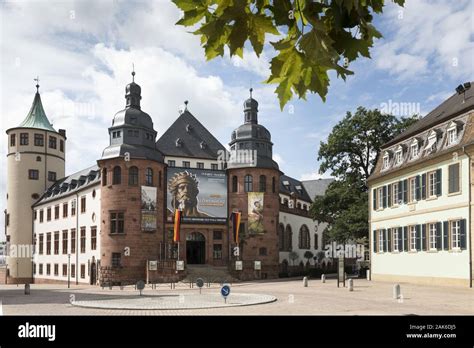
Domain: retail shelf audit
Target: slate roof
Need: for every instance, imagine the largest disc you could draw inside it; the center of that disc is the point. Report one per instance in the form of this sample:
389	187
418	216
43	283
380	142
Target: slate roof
316	187
71	184
36	117
450	108
195	140
291	188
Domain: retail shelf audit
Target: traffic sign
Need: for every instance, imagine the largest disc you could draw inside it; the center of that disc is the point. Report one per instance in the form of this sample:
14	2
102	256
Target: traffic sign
225	291
199	283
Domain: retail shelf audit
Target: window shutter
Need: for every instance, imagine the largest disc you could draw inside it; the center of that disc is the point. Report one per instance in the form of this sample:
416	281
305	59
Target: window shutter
439	236
418	237
405	238
450	179
400	239
445	235
423	186
423	236
405	191
385	239
389	195
439	191
375	198
400	192
463	234
384	196
374	236
418	187
389	239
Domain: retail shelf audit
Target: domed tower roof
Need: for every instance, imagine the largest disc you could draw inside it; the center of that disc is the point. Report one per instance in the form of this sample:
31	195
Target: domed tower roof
251	137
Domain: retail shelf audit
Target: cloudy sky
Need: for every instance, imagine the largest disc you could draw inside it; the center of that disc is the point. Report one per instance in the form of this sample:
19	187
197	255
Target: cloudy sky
83	53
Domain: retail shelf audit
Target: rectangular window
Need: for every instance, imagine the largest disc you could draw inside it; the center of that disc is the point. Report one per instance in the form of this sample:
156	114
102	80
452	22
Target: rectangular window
214	166
116	259
48	214
398	157
56	243
34	217
48	269
56	212
73	208
412	188
93	238
381	241
83	271
83	240
386	162
23	138
186	164
39	140
217	235
380	198
52	176
34	268
432	236
83	204
414	151
117	222
65	239
453	177
52	142
56	269
171	163
200	165
452	136
73	241
65	210
455	234
41	215
64	270
217	252
432	184
61	145
41	269
395	193
13	140
73	270
33	174
48	243
396	239
41	244
413	238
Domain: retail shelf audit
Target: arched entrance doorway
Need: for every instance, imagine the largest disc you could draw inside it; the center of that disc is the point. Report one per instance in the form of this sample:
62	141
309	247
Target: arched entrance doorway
195	248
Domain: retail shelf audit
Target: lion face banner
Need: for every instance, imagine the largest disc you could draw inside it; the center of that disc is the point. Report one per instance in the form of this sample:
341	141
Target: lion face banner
148	202
255	213
200	194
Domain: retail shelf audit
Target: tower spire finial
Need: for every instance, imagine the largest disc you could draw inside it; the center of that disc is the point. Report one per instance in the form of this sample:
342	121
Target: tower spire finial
133	72
251	90
37	83
186	105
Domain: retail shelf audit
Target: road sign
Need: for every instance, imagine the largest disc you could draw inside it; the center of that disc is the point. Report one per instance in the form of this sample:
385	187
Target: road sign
225	291
180	265
152	265
199	282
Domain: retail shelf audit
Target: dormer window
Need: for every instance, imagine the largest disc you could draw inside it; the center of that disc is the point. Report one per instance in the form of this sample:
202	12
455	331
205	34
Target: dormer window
452	134
179	142
432	140
203	144
386	160
398	156
414	149
188	128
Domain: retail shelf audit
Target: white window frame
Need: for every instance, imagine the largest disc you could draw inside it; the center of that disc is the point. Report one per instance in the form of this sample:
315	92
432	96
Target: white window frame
433	147
432	236
413	238
456	234
431	184
398	157
395	190
414	150
412	186
451	135
386	161
381	241
395	239
380	198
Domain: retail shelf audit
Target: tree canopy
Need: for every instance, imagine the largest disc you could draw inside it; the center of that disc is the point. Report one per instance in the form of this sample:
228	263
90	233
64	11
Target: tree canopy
312	37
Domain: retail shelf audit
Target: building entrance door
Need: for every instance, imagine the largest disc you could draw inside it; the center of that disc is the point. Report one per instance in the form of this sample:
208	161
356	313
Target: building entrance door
195	249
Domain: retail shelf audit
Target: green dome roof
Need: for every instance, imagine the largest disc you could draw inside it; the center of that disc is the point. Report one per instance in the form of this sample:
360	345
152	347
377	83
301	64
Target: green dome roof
37	117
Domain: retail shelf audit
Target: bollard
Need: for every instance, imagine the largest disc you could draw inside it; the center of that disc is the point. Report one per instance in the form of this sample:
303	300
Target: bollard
323	278
27	289
305	282
351	284
368	274
396	291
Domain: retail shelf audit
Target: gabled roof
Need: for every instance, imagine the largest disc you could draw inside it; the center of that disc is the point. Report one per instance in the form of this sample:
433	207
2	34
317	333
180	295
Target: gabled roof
37	118
316	187
289	185
194	139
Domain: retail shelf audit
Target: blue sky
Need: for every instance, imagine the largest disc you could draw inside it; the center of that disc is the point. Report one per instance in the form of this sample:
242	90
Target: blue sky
83	52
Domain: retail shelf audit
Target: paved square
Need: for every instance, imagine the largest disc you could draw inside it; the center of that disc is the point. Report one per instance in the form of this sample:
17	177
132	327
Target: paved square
368	298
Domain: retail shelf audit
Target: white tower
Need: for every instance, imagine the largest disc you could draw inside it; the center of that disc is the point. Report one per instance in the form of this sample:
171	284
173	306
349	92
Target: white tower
35	160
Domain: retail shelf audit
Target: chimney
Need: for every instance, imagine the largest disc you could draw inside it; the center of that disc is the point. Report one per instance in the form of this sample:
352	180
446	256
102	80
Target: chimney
62	132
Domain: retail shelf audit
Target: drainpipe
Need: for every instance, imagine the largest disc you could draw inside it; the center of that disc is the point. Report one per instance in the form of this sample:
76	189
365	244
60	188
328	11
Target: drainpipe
469	216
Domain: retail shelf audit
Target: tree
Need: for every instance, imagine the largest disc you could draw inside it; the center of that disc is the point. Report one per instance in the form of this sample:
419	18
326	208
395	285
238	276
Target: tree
293	255
308	255
312	37
350	154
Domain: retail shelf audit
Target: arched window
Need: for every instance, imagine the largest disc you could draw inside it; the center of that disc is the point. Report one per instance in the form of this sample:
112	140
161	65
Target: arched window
149	177
133	176
288	238
281	237
38	158
263	183
234	184
298	205
316	243
303	238
248	183
117	176
273	185
285	202
104	177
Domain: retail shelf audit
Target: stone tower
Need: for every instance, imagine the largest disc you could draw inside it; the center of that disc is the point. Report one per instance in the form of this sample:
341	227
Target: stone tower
132	170
251	169
35	160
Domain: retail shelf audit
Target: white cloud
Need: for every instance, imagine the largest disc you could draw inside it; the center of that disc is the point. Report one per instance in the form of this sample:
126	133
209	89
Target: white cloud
278	159
314	176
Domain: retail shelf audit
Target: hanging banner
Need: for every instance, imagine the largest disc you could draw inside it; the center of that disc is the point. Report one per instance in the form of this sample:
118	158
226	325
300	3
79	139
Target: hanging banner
255	213
148	206
177	226
235	217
